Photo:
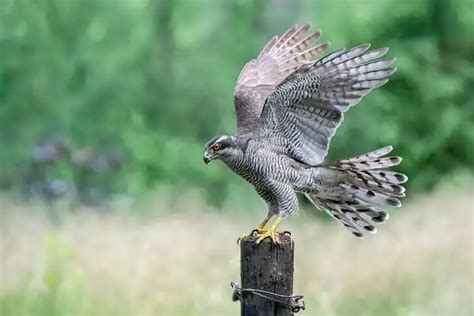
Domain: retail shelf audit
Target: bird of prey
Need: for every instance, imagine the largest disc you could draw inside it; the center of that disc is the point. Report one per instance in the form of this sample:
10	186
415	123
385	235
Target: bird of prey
288	107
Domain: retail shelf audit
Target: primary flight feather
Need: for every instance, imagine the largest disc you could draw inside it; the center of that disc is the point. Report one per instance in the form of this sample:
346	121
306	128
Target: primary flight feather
288	107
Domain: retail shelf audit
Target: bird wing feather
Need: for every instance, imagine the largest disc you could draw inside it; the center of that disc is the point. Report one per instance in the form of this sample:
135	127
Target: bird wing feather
303	112
281	56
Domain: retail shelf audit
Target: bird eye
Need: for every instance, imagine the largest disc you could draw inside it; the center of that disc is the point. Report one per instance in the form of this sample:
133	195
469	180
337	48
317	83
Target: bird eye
216	147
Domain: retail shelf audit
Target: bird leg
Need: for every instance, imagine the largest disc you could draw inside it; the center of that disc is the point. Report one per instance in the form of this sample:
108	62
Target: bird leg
261	227
259	230
272	232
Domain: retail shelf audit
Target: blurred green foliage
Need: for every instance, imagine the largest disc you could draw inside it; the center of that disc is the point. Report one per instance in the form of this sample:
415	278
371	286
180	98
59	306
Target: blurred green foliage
155	78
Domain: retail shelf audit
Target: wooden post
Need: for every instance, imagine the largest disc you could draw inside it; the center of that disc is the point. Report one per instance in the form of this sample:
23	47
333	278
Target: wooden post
266	267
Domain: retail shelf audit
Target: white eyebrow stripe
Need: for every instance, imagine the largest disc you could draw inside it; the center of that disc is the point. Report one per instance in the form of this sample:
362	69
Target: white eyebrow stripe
220	138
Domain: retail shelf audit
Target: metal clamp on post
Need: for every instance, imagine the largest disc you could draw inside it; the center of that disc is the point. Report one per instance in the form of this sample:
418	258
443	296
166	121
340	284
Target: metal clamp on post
294	300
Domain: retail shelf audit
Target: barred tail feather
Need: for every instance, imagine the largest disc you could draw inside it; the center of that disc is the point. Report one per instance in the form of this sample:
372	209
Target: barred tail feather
370	155
355	217
372	196
387	176
366	179
370	161
360	192
378	163
335	213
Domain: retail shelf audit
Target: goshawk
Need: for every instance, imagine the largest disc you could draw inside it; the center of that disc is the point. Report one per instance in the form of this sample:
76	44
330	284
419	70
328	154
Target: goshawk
288	108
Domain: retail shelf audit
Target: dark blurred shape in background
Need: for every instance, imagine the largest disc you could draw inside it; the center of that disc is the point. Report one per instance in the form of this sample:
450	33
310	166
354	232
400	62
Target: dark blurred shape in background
55	170
93	169
35	179
49	152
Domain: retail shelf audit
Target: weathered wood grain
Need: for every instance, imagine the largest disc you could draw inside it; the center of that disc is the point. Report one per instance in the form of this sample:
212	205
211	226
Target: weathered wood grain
266	267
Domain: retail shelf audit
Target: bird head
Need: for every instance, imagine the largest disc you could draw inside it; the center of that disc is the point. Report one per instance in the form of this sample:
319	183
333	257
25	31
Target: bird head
219	147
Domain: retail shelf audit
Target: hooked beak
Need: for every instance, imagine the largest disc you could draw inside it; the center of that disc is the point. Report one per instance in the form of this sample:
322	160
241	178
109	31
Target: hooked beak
207	157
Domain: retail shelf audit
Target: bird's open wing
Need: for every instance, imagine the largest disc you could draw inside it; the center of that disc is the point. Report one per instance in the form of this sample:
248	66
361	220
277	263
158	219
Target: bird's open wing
281	56
302	114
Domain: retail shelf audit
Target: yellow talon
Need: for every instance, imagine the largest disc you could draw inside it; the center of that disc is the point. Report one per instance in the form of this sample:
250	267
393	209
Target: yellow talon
271	233
259	230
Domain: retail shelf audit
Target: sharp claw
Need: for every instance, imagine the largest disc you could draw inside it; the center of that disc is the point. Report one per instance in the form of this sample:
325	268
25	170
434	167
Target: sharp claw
253	233
242	237
259	231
